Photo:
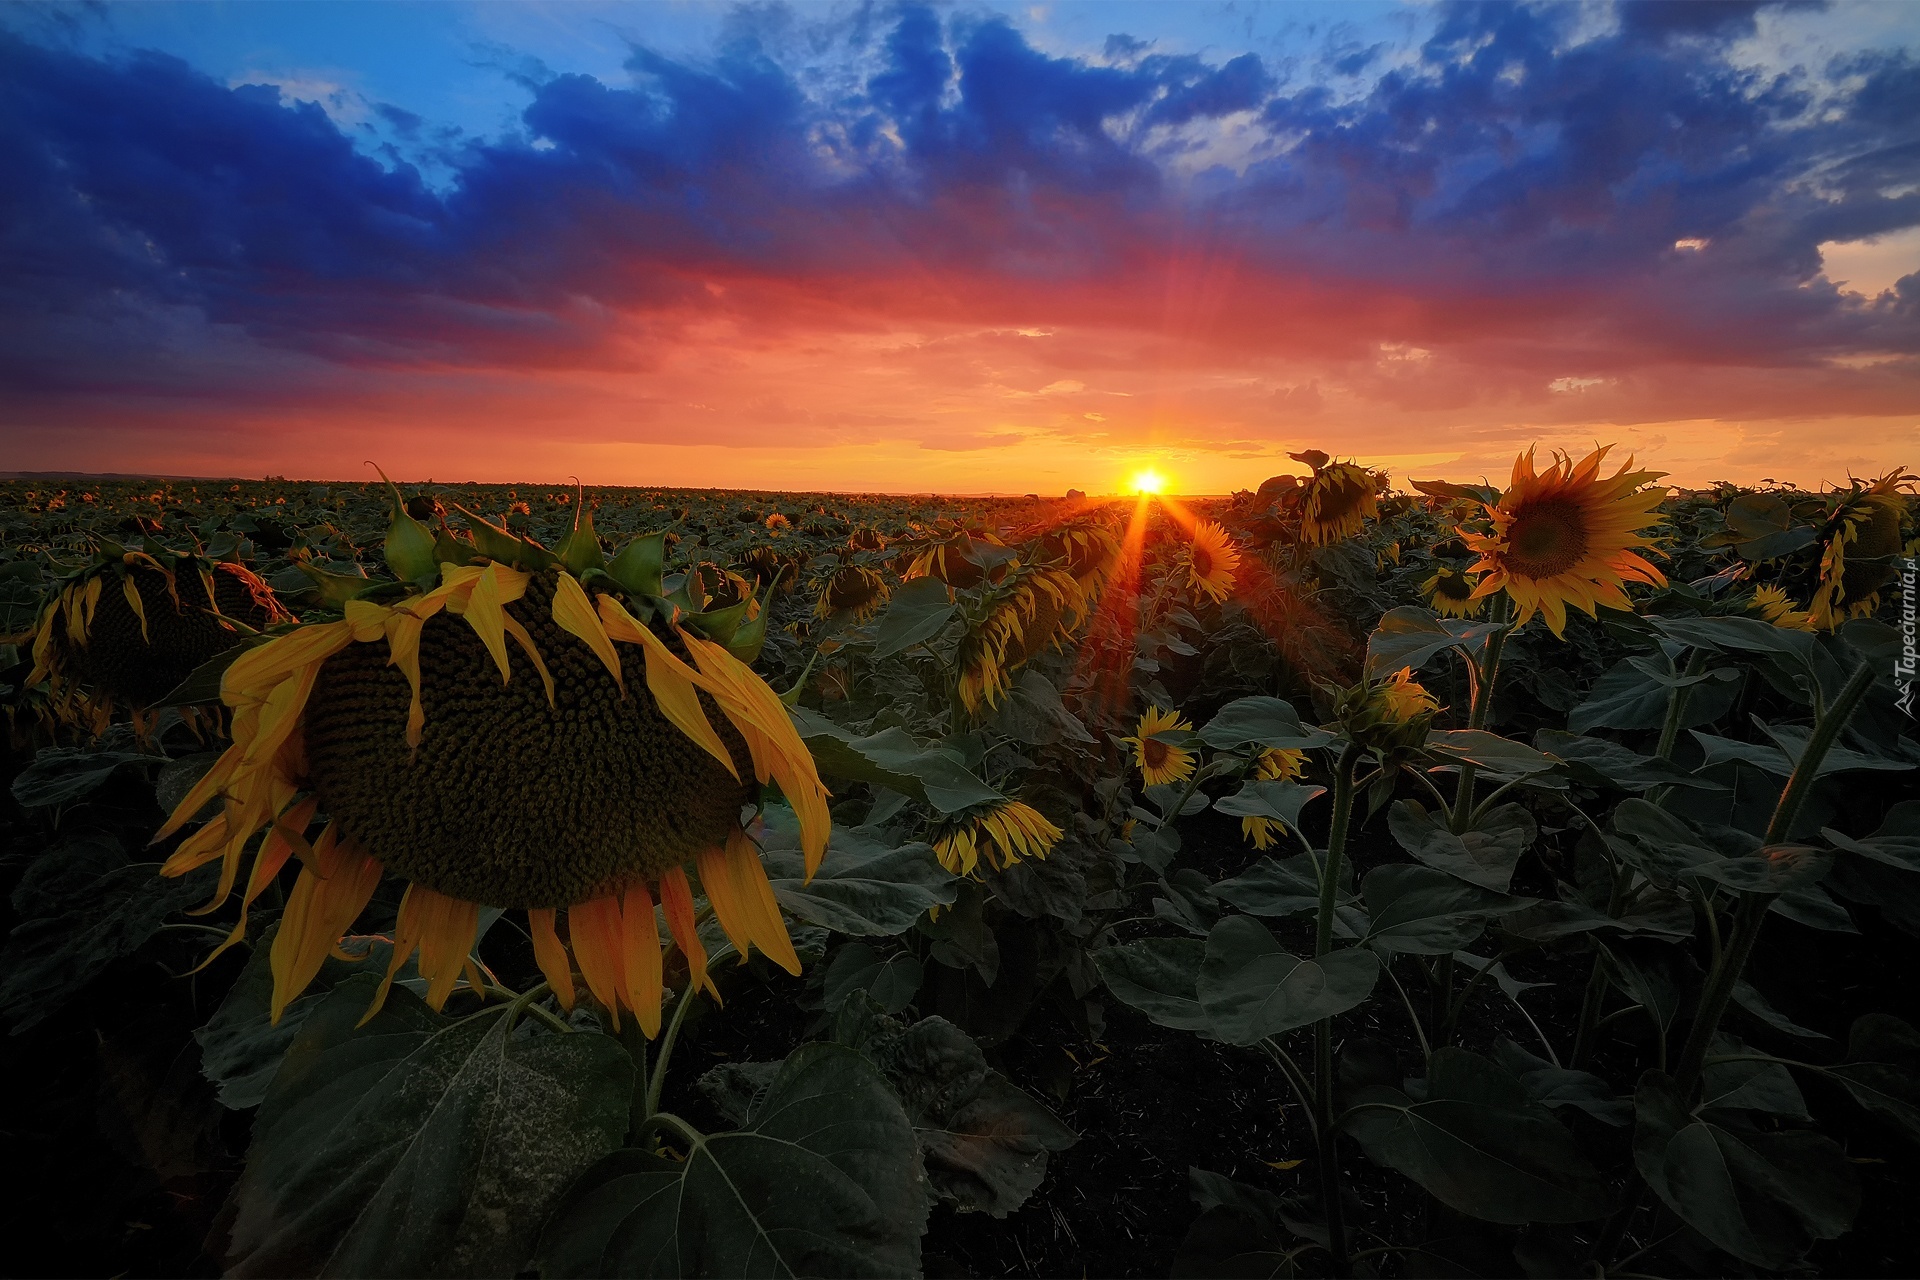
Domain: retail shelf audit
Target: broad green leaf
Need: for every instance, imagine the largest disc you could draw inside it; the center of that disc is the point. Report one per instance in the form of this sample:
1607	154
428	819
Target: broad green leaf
1749	1085
1485	854
1281	887
1488	752
1410	636
1552	1086
918	611
1764	1197
1420	911
1279	800
867	885
1480	1144
203	682
1239	1232
891	981
824	1180
1159	977
1596	762
1625	698
62	775
1749	998
420	1145
1260	722
984	1142
1774	869
892	758
49	960
1250	988
1882	1071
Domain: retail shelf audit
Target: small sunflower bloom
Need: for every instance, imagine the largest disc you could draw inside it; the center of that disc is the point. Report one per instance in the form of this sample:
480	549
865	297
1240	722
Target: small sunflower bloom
1565	536
1275	764
1210	561
1449	593
1160	761
998	834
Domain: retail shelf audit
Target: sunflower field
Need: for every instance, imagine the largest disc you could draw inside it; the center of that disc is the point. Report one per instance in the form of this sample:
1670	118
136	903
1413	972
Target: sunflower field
1339	878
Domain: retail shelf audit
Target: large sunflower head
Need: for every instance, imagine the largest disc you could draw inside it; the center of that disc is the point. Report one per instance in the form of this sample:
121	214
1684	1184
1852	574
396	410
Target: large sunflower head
998	833
853	590
1160	761
1868	527
1034	609
1336	500
1567	536
958	556
126	630
1210	561
1449	593
510	735
1085	546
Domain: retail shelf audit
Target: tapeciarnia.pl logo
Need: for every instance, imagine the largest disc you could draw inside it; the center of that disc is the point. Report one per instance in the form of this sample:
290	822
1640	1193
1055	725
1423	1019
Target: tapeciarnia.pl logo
1904	667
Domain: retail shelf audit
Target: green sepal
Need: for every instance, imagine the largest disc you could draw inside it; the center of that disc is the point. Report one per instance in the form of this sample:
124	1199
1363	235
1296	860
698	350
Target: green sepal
112	550
638	566
449	548
581	551
409	549
496	543
336	588
721	625
751	636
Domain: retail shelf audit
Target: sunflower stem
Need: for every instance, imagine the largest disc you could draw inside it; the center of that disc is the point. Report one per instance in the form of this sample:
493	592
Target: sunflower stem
1485	672
658	1083
1753	906
1323	1029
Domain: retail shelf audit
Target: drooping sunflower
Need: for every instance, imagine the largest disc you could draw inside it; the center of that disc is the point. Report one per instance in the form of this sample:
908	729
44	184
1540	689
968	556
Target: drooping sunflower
999	833
953	554
130	627
853	590
1036	608
1774	605
1337	500
509	737
1449	593
1085	546
1276	764
1210	560
1566	536
1868	524
1160	761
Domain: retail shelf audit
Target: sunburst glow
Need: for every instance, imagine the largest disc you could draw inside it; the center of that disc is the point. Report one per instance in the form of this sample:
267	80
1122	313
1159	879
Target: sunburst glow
1147	480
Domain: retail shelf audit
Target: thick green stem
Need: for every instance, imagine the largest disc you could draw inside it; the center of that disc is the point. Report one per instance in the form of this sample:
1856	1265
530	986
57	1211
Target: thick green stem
1323	1029
1485	673
1753	906
659	1080
1677	699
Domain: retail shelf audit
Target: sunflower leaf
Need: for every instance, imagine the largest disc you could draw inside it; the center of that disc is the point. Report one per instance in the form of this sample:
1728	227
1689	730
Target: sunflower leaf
866	885
420	1145
824	1179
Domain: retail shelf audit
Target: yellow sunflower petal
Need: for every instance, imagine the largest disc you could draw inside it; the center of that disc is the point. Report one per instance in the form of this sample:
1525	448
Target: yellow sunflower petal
551	955
573	613
320	909
594	930
132	593
640	958
672	682
677	897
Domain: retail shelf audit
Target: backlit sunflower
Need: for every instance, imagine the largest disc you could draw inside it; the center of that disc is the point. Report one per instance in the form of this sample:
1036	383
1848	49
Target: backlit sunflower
1336	502
952	554
1776	607
1210	561
1085	547
1276	764
853	590
1867	528
999	833
127	630
1160	761
1402	699
1567	536
1032	611
506	738
1449	593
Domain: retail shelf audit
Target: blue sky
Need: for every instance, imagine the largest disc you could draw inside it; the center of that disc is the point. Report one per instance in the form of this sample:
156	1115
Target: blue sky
960	246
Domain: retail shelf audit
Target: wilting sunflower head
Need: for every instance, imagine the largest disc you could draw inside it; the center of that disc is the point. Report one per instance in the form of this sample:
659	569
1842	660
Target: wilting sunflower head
1566	536
954	555
1035	609
854	590
127	630
1867	529
1160	761
1338	499
1774	605
1210	561
999	833
503	739
1086	547
1449	593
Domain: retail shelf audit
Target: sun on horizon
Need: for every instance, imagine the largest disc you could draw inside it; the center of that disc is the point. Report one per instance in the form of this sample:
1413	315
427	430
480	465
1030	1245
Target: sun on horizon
1147	480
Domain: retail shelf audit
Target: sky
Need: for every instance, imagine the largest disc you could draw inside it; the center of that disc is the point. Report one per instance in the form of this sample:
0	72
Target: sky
960	247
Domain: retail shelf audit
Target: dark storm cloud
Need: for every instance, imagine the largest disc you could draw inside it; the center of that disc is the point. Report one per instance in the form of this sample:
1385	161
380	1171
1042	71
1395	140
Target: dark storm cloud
1513	180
